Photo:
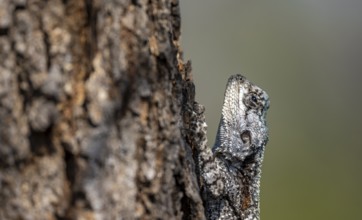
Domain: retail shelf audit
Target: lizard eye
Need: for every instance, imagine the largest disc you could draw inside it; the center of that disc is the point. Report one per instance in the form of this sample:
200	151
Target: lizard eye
254	98
252	101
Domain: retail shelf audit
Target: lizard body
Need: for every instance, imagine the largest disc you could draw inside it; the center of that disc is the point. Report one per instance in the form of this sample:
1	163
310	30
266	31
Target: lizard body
229	175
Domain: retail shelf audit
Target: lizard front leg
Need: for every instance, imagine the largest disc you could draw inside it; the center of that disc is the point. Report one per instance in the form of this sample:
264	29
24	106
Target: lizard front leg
212	171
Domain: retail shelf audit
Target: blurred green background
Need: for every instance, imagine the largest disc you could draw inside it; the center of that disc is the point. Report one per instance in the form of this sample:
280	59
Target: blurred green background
307	55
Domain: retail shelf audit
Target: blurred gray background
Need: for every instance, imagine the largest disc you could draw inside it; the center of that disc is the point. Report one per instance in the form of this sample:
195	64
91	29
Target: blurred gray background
307	55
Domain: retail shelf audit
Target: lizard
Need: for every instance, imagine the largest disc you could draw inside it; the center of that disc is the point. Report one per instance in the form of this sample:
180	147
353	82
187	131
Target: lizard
229	173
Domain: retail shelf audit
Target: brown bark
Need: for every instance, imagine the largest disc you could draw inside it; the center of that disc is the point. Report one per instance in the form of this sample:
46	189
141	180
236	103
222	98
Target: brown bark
92	98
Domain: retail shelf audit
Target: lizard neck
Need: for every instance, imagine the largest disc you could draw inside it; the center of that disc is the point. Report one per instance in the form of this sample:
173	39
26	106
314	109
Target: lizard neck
250	174
242	186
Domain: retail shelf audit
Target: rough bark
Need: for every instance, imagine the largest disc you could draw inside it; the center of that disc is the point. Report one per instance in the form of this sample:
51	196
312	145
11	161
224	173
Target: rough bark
93	97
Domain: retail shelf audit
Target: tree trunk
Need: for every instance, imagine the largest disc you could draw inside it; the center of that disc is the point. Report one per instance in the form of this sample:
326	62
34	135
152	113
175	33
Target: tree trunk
93	96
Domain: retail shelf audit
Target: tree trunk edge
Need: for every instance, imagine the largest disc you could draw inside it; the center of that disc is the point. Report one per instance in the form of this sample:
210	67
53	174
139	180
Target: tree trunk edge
94	126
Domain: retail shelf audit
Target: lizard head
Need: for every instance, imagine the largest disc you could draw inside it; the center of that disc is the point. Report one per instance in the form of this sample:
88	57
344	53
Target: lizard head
242	131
